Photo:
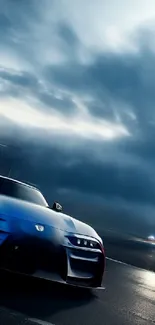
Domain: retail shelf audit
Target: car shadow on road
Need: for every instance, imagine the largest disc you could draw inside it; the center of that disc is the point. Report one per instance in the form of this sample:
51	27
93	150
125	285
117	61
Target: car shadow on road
38	298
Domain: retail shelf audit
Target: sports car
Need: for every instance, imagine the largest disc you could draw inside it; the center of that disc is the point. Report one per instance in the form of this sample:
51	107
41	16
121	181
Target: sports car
41	241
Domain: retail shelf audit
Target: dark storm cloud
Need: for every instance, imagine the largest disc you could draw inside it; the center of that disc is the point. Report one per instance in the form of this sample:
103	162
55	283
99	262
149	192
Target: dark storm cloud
67	35
24	83
79	170
18	13
23	79
126	78
69	42
16	21
63	105
107	178
15	17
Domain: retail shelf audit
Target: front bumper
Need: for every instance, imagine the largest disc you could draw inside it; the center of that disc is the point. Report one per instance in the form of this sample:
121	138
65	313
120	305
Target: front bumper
65	263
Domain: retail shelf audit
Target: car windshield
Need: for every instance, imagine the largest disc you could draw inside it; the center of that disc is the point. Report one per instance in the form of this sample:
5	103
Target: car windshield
20	191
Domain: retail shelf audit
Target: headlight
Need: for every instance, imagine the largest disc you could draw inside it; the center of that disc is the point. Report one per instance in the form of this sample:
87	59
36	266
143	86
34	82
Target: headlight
84	242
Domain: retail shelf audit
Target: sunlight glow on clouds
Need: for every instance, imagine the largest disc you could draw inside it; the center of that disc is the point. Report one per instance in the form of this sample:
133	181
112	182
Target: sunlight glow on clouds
86	127
105	25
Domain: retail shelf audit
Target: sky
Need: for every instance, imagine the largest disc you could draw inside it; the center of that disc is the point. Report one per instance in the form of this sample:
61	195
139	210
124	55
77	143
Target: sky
77	105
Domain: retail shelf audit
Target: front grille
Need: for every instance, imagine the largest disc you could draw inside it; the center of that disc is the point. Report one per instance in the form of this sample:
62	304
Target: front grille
83	266
84	254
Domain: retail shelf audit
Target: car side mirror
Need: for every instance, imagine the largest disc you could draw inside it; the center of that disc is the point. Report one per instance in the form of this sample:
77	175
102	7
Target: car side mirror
57	207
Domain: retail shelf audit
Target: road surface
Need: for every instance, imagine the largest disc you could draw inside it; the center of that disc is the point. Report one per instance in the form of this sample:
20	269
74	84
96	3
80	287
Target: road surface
129	298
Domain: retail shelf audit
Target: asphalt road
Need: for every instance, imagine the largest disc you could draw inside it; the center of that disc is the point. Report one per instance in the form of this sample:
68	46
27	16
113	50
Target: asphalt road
131	252
128	298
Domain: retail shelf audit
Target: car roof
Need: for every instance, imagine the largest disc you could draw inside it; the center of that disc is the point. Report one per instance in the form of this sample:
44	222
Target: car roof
18	182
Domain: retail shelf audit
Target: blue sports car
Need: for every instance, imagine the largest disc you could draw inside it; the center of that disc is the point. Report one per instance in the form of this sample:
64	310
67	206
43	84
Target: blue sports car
43	242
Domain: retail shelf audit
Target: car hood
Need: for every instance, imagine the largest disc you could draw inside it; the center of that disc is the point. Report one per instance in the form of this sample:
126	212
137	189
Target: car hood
22	210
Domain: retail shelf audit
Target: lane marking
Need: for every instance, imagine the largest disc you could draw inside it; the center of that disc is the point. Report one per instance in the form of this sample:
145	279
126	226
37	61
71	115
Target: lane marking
126	264
119	262
39	321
